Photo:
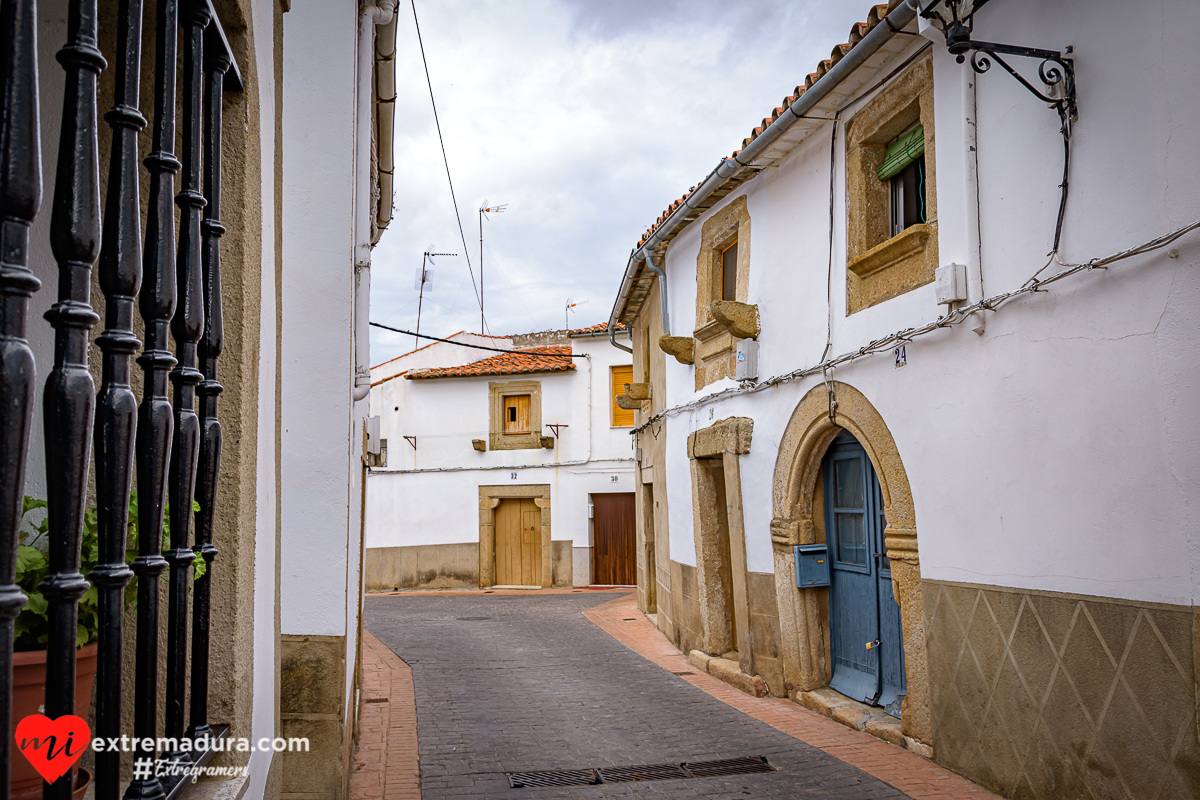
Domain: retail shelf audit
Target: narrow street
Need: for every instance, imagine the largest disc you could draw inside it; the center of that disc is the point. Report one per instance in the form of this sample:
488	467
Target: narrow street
508	684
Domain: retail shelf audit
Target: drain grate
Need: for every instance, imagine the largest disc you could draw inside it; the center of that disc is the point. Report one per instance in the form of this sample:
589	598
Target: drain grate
566	777
746	765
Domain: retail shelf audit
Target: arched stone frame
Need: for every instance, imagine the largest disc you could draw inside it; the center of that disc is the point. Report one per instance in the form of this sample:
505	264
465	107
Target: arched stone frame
808	435
489	499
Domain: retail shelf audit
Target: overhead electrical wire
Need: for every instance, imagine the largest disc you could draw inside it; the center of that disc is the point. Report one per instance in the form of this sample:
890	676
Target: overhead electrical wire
445	158
476	346
956	317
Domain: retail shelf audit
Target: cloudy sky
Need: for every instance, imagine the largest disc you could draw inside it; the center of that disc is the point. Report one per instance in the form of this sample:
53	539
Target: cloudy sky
586	117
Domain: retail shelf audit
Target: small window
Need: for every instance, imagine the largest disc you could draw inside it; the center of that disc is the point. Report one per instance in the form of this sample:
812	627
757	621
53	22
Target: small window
621	417
729	272
516	414
904	170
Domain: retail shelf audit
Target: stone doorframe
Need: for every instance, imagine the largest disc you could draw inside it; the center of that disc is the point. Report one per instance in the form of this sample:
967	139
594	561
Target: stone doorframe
725	440
809	432
489	498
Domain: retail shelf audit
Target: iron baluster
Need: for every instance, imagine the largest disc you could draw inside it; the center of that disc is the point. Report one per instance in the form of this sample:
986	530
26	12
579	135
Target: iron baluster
116	407
209	389
186	326
156	303
20	199
69	399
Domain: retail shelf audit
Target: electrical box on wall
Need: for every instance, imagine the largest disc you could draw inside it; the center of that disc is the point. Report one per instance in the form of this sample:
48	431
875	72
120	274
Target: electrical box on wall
950	283
812	565
746	360
375	449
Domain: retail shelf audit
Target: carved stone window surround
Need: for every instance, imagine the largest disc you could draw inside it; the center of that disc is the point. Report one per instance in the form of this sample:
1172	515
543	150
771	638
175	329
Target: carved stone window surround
880	266
497	438
714	347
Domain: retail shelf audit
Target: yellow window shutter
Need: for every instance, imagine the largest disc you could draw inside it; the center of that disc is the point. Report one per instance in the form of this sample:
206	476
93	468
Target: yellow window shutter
621	417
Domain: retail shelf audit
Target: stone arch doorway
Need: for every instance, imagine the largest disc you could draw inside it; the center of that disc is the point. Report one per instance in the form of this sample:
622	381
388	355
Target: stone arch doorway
803	613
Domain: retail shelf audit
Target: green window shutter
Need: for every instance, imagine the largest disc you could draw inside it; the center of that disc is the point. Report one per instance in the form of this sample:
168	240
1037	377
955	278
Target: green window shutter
902	152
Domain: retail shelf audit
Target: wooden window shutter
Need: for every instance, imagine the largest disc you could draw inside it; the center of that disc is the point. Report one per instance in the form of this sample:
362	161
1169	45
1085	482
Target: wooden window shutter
729	272
516	413
621	417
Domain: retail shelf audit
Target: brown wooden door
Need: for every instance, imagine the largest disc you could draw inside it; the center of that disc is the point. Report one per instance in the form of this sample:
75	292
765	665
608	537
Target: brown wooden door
518	543
614	562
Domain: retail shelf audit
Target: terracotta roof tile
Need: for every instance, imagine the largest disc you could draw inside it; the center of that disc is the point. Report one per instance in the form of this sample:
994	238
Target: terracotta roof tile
857	32
518	362
600	327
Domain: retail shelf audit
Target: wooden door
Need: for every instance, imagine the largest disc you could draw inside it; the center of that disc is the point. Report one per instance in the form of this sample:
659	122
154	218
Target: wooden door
864	618
614	562
518	543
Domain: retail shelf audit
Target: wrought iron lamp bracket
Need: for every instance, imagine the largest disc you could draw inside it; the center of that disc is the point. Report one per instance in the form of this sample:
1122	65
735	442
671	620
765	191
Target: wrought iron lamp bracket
1056	70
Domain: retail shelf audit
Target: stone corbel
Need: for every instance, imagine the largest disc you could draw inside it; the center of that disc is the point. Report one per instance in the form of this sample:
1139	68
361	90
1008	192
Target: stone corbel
681	348
740	319
628	403
547	442
479	444
638	391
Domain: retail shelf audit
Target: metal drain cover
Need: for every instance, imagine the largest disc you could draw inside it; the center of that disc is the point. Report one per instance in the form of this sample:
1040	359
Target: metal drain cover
645	772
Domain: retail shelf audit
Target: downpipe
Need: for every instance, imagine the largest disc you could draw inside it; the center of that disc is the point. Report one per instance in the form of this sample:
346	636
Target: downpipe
369	17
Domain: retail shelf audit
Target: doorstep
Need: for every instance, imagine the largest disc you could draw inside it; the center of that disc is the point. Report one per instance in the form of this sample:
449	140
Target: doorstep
729	671
859	716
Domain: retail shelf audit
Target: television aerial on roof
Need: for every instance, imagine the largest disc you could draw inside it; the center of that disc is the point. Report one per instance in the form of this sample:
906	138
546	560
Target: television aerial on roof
424	281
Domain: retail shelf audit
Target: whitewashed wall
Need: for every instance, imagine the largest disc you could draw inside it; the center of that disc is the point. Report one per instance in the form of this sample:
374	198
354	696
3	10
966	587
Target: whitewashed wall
409	503
1060	450
321	426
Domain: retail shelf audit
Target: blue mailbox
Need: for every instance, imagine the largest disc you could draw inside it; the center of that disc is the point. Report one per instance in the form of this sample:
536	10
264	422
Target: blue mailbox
812	565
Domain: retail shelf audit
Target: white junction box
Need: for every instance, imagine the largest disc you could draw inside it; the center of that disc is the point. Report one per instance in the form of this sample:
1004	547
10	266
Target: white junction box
746	360
950	283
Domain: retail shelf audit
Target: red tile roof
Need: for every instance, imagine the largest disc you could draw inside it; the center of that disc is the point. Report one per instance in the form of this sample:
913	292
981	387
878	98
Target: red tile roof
857	32
518	362
600	327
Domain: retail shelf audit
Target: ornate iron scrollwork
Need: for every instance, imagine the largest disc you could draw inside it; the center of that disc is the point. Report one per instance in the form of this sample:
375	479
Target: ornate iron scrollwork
1056	71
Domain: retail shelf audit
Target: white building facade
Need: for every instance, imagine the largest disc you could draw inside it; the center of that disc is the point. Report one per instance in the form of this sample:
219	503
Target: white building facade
456	463
1011	572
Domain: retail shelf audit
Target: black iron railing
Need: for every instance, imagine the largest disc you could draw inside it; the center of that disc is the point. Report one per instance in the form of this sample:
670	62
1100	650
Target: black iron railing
178	291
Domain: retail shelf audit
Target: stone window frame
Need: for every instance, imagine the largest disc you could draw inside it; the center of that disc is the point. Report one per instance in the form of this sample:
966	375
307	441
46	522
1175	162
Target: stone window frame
497	438
880	266
714	343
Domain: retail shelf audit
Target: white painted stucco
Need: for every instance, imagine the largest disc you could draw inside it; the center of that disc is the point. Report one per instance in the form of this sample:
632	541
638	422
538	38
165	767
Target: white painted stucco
1060	450
430	494
318	284
262	721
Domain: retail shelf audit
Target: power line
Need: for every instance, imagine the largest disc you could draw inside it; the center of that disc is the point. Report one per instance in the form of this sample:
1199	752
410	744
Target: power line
445	159
477	346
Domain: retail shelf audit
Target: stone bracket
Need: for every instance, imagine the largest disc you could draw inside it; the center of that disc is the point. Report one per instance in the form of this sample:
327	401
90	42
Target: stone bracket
681	348
740	319
638	391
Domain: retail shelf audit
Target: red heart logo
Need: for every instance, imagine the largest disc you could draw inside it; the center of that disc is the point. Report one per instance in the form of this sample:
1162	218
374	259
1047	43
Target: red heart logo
52	745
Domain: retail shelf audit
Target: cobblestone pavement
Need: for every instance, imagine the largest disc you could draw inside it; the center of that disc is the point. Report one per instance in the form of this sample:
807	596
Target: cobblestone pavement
523	683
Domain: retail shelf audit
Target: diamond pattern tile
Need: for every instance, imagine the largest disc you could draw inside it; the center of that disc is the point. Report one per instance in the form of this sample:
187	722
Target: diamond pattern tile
1048	696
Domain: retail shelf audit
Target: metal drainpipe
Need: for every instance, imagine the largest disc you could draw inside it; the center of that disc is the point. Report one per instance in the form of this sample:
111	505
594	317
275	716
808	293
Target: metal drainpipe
369	17
867	46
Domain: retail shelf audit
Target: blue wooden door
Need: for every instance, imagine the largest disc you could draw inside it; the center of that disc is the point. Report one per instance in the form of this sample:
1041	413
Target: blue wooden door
864	619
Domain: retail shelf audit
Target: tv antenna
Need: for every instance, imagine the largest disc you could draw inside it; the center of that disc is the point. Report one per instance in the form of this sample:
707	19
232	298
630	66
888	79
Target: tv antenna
424	280
570	309
484	210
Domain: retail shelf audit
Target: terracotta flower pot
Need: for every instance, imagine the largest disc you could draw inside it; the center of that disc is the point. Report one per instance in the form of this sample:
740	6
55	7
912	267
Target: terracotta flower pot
29	693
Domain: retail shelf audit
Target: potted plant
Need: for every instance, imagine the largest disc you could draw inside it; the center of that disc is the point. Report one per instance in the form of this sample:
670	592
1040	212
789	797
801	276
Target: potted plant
32	628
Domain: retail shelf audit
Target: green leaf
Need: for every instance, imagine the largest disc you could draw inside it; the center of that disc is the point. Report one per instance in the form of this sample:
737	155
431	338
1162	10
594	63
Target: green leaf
199	567
30	503
29	559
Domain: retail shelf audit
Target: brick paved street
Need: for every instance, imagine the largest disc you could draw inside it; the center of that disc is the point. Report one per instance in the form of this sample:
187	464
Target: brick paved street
519	683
